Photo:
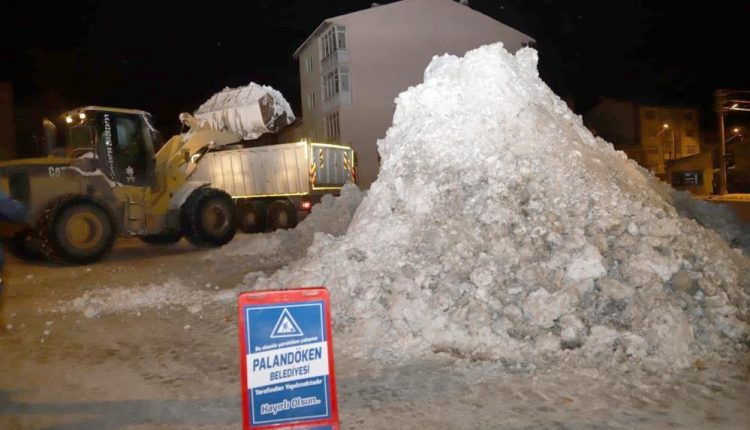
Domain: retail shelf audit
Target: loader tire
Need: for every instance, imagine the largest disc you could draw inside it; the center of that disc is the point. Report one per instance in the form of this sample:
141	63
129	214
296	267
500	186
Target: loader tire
251	216
281	215
75	230
161	239
208	218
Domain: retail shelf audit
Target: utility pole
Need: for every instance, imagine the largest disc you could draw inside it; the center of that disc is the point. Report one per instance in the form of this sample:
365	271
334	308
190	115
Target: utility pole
728	101
721	100
722	156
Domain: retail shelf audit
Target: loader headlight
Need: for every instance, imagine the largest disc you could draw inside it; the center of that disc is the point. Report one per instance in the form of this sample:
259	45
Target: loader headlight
68	119
82	116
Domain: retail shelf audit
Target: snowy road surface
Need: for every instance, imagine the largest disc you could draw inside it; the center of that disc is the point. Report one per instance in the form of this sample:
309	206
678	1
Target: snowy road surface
169	361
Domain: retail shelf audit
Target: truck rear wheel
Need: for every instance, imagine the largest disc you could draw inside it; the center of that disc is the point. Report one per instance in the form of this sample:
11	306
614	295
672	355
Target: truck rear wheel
208	218
282	215
251	216
75	230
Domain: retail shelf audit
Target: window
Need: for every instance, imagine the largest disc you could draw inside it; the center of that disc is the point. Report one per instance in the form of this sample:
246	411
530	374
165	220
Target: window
343	79
336	81
127	151
308	64
332	127
687	178
651	149
333	40
311	101
690	132
340	37
691	149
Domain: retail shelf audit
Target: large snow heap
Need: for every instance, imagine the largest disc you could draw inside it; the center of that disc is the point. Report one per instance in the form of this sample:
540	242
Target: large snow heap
500	228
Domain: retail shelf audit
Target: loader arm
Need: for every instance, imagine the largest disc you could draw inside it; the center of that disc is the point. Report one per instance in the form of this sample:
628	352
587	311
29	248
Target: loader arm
178	158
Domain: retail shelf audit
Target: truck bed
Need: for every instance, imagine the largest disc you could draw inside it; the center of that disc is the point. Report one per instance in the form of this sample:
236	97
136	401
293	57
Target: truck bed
289	169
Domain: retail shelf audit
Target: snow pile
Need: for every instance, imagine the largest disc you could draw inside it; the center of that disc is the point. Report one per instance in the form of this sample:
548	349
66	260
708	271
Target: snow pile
331	217
248	111
500	228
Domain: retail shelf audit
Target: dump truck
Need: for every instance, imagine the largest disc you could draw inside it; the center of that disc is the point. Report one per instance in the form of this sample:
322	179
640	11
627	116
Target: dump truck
103	177
274	186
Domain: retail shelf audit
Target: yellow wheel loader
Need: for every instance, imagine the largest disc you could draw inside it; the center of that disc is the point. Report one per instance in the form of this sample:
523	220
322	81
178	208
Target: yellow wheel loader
106	180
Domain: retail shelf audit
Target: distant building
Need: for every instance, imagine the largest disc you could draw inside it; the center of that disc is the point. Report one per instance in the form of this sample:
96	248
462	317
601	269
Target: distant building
7	125
651	135
694	173
353	66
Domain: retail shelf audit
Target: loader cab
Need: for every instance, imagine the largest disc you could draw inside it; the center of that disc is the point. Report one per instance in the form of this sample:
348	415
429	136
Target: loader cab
119	142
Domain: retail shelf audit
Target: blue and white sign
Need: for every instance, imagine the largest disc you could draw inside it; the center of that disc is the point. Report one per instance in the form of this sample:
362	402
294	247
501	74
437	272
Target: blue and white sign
287	363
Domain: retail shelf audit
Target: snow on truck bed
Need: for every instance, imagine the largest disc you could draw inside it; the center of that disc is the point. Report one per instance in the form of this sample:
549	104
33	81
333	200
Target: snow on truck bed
500	228
248	111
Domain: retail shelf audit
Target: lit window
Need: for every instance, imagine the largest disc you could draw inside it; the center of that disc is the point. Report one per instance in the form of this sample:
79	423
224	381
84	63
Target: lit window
691	149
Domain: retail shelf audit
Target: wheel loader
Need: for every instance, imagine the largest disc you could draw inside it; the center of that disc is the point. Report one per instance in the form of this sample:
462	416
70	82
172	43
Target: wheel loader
104	177
106	180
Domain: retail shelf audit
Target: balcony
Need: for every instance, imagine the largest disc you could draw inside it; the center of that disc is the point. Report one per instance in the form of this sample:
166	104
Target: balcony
339	57
340	99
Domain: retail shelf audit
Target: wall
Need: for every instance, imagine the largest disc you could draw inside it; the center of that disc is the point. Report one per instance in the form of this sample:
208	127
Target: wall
614	121
681	139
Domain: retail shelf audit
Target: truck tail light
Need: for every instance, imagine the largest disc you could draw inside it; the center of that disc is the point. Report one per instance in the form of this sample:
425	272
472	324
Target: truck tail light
306	205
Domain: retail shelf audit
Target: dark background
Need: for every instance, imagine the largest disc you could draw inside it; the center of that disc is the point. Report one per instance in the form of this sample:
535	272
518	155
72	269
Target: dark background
169	58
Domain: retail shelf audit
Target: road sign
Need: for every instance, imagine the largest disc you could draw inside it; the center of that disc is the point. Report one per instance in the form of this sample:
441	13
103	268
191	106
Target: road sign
286	356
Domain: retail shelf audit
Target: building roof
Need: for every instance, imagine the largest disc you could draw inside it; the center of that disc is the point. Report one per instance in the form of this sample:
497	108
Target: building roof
319	29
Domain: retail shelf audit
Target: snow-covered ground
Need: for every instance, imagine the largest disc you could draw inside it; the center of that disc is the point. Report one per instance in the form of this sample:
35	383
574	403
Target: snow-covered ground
506	270
170	361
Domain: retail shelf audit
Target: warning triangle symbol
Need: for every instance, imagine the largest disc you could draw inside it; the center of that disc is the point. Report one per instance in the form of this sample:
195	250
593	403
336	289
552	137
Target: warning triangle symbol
286	326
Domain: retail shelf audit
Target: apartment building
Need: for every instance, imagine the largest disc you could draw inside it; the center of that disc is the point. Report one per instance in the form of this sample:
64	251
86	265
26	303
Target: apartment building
353	66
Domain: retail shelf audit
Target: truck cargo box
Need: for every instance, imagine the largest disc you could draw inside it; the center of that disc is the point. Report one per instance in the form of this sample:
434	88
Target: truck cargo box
290	169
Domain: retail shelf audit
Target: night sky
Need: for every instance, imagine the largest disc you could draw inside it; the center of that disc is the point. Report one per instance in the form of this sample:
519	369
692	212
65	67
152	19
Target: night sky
168	58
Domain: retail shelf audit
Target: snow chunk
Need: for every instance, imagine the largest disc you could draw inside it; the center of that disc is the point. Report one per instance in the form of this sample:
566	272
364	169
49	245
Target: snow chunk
587	264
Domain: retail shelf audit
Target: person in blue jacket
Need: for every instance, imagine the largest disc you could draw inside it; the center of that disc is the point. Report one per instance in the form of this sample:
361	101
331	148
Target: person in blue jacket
14	212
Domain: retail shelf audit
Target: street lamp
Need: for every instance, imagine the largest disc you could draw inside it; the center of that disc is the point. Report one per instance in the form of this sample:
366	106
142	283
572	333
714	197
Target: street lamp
673	152
736	135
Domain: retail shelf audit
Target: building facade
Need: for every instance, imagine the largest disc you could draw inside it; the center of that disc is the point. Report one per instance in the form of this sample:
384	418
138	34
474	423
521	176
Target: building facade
353	66
652	135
